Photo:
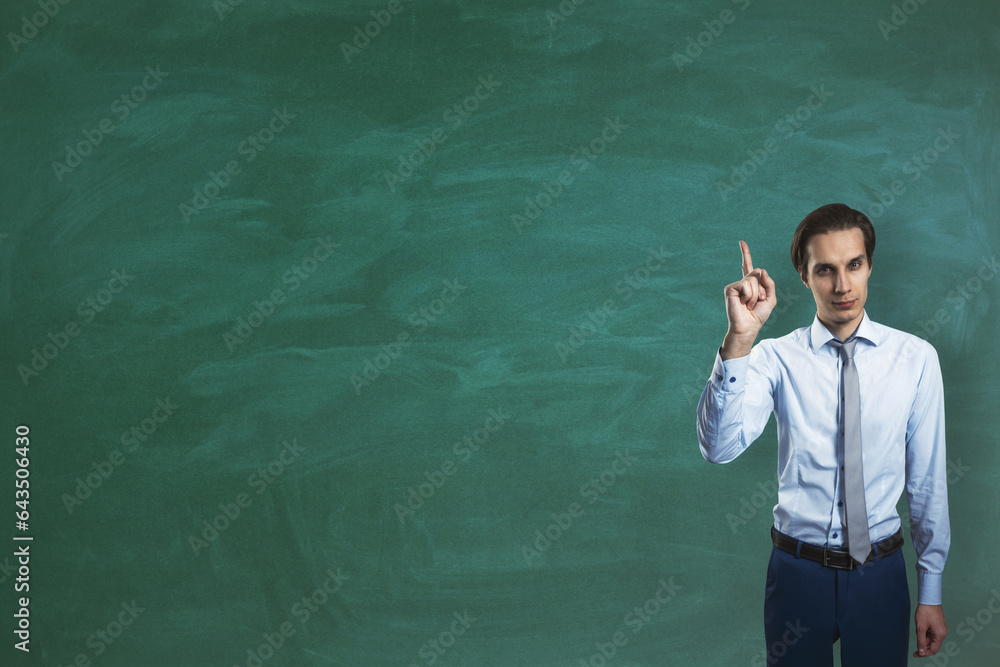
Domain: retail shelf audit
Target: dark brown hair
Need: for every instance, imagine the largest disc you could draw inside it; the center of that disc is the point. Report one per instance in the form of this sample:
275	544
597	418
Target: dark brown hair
829	218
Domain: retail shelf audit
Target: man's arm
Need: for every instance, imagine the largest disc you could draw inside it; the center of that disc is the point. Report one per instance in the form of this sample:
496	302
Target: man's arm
729	417
735	406
927	495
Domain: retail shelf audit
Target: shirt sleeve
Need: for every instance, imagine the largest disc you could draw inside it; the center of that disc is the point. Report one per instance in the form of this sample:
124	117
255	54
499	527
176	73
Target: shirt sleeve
735	406
927	480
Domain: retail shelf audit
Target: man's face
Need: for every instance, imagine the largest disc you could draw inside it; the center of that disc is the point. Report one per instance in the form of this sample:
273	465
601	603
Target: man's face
837	274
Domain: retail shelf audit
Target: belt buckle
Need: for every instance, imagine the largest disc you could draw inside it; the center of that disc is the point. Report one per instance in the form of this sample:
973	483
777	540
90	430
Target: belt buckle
827	563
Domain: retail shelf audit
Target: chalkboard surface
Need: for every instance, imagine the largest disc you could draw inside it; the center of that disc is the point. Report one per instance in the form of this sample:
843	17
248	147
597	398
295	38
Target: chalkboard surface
371	333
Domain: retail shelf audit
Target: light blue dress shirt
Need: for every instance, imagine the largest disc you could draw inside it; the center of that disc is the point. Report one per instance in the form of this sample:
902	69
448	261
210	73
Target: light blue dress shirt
797	377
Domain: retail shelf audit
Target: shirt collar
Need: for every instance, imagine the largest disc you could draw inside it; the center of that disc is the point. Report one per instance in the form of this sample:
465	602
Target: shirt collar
819	335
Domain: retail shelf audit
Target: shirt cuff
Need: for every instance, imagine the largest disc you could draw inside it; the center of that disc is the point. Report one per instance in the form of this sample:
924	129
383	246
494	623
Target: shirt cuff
729	375
928	588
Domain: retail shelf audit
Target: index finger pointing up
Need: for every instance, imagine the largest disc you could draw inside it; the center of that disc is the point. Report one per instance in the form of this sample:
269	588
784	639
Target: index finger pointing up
747	263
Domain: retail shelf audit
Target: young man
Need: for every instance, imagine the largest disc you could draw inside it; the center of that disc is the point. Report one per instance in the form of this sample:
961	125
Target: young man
860	414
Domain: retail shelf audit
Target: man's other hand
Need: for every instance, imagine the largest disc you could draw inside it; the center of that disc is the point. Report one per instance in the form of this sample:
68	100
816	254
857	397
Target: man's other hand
931	629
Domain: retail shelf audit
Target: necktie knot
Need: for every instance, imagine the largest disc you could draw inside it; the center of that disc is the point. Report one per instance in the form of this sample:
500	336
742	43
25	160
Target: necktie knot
846	349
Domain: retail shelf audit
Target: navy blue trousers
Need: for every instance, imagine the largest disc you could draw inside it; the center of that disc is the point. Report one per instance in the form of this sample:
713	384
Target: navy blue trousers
807	607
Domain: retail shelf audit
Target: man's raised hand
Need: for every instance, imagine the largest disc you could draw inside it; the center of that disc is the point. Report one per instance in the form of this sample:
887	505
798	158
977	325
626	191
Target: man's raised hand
749	303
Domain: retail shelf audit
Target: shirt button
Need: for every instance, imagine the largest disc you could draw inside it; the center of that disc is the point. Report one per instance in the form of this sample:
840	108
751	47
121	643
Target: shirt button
732	379
719	378
840	503
841	467
835	536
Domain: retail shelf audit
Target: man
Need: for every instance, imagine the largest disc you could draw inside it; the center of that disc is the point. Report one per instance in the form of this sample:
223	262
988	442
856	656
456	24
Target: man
860	412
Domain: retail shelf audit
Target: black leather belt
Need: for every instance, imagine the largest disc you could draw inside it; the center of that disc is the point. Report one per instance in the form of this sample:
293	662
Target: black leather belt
835	558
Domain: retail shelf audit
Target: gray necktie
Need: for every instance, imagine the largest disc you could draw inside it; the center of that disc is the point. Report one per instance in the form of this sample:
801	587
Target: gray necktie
858	540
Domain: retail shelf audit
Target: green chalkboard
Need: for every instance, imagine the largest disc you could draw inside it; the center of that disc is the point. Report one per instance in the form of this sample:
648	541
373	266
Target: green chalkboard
371	333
